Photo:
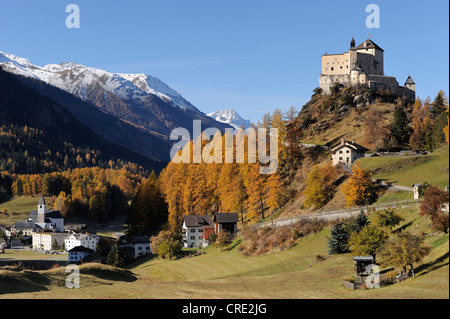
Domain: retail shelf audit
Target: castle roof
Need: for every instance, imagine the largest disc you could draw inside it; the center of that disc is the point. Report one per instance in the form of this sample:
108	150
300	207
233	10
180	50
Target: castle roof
409	80
369	44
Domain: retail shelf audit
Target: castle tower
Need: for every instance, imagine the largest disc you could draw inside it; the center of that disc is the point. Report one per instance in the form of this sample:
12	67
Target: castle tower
410	84
352	43
42	210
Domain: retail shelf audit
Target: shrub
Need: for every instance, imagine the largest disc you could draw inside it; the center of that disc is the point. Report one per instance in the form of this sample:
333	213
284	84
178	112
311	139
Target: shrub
169	248
259	241
320	258
165	244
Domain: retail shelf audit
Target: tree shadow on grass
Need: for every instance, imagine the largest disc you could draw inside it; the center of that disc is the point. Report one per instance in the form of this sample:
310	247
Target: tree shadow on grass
402	228
433	265
234	245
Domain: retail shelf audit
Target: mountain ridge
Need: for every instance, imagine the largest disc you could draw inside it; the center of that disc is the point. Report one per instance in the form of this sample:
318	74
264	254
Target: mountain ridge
231	117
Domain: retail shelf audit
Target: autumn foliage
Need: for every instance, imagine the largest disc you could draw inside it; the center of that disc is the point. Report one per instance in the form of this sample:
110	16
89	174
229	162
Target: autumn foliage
359	189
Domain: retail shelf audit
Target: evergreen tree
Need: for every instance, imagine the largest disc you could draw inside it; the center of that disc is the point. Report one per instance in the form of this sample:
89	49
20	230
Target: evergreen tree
115	258
361	221
439	105
338	242
399	128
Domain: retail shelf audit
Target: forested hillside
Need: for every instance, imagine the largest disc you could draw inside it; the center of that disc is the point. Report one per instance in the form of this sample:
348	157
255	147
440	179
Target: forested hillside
38	135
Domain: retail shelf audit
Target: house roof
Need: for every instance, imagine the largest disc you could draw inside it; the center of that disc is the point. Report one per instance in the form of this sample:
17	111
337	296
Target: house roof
197	220
370	45
140	239
81	249
351	144
226	217
360	258
24	224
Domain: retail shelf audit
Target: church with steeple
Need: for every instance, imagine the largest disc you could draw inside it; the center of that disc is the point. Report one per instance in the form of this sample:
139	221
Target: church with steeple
45	219
361	65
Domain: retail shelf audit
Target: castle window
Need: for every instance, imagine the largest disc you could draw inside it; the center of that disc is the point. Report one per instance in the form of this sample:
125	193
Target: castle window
332	69
341	66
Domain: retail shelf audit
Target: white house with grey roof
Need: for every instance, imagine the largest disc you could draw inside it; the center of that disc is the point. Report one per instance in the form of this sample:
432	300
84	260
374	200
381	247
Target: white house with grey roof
85	240
194	228
347	152
78	253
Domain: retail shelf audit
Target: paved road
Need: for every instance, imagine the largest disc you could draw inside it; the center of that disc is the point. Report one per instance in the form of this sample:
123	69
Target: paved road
337	214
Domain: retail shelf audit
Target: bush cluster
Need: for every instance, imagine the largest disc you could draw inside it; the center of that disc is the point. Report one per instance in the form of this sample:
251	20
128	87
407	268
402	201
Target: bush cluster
259	241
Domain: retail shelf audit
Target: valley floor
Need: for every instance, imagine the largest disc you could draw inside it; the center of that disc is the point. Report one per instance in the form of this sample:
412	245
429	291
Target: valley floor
290	274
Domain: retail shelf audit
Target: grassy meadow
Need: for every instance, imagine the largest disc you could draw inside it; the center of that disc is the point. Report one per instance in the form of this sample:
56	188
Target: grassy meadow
292	273
409	170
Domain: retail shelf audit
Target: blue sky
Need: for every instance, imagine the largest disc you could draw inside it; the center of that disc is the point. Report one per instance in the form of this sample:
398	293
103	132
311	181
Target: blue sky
253	56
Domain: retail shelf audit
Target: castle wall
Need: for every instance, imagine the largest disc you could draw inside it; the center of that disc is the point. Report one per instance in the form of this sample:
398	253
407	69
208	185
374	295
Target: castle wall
336	64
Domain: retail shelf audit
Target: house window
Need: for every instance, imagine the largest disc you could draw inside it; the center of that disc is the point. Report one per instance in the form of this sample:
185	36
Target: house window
347	151
340	152
193	237
192	230
340	158
200	230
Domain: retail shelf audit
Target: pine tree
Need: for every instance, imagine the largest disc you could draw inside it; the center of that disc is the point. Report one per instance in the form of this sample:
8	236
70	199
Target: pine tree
399	128
338	242
361	221
439	105
114	257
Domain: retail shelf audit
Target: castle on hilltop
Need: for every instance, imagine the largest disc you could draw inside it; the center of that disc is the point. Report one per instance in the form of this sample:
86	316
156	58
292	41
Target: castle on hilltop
361	65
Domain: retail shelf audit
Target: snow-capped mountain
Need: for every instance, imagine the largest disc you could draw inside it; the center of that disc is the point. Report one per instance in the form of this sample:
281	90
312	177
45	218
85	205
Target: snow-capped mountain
78	79
230	117
137	99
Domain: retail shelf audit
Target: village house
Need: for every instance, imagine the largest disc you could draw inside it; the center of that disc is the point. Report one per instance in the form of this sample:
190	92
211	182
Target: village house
85	240
197	228
78	253
226	222
347	152
48	240
193	229
141	245
24	227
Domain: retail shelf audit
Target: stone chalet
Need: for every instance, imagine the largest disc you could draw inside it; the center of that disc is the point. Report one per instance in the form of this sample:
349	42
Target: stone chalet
347	152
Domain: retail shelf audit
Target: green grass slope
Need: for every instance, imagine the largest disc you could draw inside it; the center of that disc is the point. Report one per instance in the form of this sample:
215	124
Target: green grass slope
293	273
409	170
